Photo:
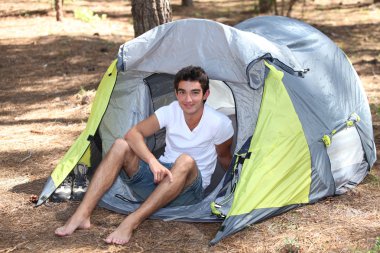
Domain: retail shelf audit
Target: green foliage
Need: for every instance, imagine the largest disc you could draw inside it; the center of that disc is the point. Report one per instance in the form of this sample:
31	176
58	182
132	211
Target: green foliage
375	109
376	248
82	91
291	246
87	15
372	179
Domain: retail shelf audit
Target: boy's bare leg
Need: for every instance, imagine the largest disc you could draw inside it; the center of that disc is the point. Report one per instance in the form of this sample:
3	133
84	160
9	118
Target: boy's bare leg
184	173
105	175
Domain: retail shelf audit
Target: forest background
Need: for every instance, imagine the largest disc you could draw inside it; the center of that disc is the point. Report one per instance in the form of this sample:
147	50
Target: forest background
49	75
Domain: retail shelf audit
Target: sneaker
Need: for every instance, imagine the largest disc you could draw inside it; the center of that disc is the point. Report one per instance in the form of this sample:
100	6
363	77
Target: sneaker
80	183
63	192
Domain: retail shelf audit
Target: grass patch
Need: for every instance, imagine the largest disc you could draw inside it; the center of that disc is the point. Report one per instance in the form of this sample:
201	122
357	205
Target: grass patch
87	15
376	248
291	246
372	179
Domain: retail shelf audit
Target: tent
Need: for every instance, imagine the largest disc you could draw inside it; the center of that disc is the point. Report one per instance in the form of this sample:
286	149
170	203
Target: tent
303	124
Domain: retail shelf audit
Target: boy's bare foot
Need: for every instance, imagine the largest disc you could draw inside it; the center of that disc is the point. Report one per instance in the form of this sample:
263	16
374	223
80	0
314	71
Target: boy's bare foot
123	233
71	225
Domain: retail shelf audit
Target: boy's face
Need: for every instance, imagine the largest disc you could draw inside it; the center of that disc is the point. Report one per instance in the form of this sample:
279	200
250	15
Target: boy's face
190	97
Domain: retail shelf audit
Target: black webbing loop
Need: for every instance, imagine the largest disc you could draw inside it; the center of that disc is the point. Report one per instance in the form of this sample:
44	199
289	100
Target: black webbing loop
241	159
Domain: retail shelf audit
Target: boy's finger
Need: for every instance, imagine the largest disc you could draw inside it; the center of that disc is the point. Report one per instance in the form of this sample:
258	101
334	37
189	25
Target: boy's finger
170	176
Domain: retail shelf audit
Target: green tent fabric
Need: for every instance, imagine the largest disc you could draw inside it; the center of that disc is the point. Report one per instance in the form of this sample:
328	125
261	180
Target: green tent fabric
79	151
278	164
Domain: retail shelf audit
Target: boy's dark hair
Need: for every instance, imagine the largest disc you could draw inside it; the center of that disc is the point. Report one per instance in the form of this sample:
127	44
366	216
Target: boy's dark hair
192	73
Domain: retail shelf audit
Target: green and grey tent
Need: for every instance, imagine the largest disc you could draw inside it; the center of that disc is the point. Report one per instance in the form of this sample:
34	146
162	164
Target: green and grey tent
302	120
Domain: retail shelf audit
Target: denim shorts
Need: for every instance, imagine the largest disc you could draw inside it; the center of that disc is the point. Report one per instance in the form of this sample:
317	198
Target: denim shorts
142	185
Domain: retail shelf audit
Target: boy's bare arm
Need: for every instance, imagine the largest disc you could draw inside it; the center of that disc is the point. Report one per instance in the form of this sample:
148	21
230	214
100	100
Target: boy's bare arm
135	138
224	153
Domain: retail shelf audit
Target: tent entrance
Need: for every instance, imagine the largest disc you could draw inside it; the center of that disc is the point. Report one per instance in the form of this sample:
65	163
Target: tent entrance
161	90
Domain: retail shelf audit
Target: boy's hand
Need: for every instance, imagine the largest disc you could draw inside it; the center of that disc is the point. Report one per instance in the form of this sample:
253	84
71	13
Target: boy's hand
160	172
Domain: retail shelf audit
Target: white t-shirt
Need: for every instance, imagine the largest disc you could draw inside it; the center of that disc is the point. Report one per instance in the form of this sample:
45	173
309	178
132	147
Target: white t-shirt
213	129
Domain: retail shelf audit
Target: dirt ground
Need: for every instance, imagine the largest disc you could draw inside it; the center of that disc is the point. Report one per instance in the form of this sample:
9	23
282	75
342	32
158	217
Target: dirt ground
49	73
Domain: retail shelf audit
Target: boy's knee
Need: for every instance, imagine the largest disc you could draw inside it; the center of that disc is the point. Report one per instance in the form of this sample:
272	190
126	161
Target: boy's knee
185	165
186	162
121	145
130	160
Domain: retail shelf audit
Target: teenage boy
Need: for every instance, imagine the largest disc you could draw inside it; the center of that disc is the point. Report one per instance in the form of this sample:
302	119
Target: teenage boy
196	137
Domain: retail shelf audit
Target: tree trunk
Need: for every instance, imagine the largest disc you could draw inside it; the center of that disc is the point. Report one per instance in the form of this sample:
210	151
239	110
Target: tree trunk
187	3
265	5
59	9
150	13
282	7
291	4
275	7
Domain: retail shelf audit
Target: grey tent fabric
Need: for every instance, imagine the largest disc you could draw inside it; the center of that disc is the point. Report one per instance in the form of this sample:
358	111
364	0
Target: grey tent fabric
236	223
322	84
331	78
225	55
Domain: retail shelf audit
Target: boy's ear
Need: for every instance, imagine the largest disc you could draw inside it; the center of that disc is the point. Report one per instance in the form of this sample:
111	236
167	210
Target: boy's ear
207	93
